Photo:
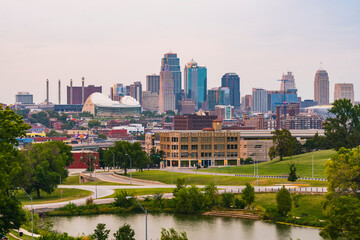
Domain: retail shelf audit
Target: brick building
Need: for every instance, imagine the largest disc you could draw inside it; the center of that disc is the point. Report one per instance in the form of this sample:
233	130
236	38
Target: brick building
193	122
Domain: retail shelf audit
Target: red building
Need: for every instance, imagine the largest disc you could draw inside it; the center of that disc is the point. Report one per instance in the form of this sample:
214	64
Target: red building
193	122
78	157
77	93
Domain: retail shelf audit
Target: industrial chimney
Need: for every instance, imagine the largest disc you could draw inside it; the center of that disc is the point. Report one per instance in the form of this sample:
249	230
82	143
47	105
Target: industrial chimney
82	91
59	92
47	91
71	92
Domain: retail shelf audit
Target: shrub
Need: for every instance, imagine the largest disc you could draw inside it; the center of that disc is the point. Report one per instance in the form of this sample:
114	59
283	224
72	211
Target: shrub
89	201
122	200
158	200
227	199
239	203
248	194
283	201
125	232
100	232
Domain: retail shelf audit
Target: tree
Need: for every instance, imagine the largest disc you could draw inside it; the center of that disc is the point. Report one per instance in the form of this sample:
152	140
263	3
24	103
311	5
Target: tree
283	201
248	194
342	202
100	232
47	162
102	136
343	130
122	199
125	232
211	196
171	234
284	144
170	112
189	200
11	169
292	175
227	199
343	219
94	123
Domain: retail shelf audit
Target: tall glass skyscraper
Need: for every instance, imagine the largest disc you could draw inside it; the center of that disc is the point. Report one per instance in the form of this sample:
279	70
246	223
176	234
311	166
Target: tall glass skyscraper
195	80
232	81
172	63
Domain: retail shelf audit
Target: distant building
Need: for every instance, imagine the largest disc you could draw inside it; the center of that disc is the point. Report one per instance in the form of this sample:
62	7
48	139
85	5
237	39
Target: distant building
232	81
136	91
224	112
117	91
100	105
260	100
186	106
246	102
195	78
75	94
24	98
213	98
308	103
344	91
321	87
288	82
166	93
224	96
153	83
150	101
193	122
276	98
171	63
302	122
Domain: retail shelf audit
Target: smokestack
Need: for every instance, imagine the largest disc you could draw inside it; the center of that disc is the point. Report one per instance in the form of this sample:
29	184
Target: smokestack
82	91
59	92
47	91
71	92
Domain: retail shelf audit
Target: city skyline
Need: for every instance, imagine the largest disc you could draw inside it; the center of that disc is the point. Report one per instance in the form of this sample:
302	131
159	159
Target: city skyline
108	43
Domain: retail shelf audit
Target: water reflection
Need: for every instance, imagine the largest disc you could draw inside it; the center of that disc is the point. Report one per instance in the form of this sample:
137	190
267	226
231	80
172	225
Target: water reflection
197	227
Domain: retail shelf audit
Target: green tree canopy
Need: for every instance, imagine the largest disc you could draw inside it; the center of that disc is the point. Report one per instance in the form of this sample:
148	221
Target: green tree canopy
11	169
47	162
125	232
292	175
100	232
343	130
248	194
171	234
284	144
283	201
94	123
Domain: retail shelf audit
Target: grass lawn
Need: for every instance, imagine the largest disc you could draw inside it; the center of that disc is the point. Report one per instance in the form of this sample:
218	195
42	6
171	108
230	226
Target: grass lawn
143	191
308	204
68	194
303	163
165	177
74	180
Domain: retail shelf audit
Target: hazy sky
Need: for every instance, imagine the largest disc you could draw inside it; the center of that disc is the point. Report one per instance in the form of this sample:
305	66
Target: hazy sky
122	41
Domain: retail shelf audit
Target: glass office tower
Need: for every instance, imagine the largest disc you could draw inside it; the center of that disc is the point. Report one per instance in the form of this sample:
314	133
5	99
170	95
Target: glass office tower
195	81
232	81
172	62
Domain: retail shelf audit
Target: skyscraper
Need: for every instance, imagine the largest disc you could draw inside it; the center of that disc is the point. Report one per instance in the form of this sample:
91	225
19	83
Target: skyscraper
260	100
166	93
344	91
232	81
24	98
136	91
288	82
321	87
172	62
152	83
195	81
224	96
213	98
117	91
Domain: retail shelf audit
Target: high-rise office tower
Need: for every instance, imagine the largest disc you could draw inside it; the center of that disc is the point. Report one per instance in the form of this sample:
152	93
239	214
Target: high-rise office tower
213	98
344	91
232	81
224	96
136	91
166	93
153	83
260	100
195	81
287	82
172	63
117	91
321	87
24	98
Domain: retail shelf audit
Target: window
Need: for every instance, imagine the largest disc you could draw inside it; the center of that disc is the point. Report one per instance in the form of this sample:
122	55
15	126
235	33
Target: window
184	139
184	147
184	154
202	154
175	139
194	147
194	154
194	139
174	147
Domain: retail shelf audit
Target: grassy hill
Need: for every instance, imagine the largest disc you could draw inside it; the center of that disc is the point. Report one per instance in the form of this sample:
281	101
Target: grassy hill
303	163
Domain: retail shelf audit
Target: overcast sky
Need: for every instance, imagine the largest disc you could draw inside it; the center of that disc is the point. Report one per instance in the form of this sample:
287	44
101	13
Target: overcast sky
122	41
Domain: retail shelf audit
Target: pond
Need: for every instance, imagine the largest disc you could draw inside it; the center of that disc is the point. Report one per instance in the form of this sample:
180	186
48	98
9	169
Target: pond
196	226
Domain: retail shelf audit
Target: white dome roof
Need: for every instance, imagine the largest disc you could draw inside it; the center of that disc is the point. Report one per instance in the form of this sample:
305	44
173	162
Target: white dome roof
100	99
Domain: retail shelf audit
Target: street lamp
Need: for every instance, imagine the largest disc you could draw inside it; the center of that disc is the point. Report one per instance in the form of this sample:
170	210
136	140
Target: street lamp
130	168
32	221
145	211
95	179
312	164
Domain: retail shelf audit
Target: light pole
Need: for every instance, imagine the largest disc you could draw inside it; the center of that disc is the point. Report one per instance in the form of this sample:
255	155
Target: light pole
145	211
312	164
32	221
95	180
130	168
